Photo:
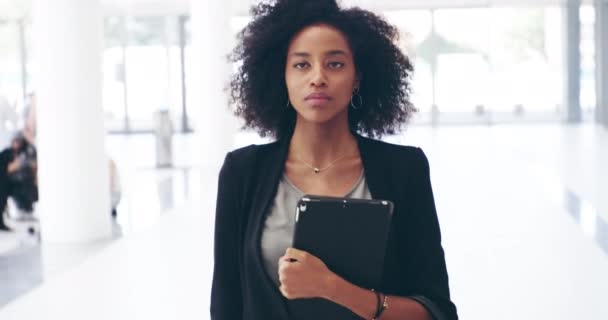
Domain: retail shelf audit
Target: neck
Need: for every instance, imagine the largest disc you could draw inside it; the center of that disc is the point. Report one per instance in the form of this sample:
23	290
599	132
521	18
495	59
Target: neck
320	144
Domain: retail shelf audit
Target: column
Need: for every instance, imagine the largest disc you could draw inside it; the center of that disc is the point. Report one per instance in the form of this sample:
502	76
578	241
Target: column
208	104
572	88
73	171
601	61
212	39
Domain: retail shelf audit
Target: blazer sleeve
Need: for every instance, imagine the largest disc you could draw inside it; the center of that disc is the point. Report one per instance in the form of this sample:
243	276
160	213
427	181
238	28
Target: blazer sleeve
429	272
226	298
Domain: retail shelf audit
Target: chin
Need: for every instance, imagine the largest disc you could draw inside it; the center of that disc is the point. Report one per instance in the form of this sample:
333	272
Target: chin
320	117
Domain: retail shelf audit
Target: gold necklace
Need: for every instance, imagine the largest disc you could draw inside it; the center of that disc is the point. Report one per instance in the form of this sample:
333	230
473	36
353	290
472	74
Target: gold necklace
318	170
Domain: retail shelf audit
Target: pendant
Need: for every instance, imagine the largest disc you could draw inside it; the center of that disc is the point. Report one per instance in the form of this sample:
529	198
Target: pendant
317	170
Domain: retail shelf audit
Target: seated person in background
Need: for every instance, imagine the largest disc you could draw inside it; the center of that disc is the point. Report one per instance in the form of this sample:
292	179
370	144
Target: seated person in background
6	157
18	176
23	177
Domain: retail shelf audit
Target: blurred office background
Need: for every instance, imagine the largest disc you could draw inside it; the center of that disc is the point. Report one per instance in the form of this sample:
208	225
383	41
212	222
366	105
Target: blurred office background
513	114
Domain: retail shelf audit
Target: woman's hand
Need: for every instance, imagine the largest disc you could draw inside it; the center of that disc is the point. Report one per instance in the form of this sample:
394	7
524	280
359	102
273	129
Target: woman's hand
303	275
13	166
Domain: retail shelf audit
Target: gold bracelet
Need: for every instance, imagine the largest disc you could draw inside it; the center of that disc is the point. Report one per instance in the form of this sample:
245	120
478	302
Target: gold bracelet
380	306
384	304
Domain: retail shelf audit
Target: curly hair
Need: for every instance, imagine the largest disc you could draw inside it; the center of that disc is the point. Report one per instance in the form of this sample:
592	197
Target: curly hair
258	89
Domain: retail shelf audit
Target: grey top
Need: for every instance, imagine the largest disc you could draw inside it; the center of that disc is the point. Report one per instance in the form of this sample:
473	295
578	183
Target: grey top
277	235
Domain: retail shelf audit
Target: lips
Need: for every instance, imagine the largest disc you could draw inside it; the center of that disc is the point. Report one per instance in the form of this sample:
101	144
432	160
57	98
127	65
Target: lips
318	96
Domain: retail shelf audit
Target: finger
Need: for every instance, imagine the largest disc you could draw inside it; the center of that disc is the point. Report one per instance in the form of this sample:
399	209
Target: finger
282	266
296	254
287	258
286	292
287	267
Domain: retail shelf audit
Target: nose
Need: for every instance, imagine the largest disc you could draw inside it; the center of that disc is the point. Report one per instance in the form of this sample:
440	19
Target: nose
318	78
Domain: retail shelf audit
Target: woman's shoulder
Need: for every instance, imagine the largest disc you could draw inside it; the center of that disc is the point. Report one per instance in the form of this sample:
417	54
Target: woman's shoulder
249	155
253	150
398	152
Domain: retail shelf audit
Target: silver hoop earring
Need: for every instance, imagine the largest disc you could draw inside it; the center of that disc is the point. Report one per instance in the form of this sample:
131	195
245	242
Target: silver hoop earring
287	105
352	103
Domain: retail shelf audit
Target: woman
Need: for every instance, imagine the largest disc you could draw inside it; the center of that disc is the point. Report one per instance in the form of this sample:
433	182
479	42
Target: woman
316	76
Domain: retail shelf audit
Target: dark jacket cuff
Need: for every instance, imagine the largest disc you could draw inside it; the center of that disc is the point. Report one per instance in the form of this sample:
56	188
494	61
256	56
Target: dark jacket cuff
430	306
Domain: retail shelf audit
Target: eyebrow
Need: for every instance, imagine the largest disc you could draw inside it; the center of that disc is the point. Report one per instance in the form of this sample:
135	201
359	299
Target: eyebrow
328	53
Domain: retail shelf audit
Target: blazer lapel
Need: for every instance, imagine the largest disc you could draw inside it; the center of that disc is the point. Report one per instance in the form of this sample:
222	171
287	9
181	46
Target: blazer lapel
376	167
271	165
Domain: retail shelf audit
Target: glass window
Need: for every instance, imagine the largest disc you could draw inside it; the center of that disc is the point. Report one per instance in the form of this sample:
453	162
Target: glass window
114	73
152	70
415	28
588	101
492	62
10	63
526	60
189	65
29	56
146	31
458	51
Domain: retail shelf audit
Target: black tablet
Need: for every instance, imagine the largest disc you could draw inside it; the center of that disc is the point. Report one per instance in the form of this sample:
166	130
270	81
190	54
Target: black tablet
349	236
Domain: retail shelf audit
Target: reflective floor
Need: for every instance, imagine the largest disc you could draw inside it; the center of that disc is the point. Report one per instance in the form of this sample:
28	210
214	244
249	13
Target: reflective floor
523	212
147	193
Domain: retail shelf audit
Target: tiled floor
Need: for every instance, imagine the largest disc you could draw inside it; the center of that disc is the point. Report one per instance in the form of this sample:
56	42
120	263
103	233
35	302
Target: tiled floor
523	211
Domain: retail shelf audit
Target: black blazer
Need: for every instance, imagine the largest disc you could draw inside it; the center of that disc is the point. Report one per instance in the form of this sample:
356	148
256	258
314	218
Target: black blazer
414	265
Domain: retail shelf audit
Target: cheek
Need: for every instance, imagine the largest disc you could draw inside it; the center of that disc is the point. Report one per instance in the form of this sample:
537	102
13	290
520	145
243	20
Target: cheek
345	89
291	81
346	81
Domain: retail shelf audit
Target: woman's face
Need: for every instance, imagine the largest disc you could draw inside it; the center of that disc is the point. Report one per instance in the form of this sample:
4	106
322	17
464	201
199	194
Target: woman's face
320	74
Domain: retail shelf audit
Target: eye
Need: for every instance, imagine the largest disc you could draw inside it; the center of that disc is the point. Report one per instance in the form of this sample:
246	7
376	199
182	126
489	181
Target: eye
336	65
300	65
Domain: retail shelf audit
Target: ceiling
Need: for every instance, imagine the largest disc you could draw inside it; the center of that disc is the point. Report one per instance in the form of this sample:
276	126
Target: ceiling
20	8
